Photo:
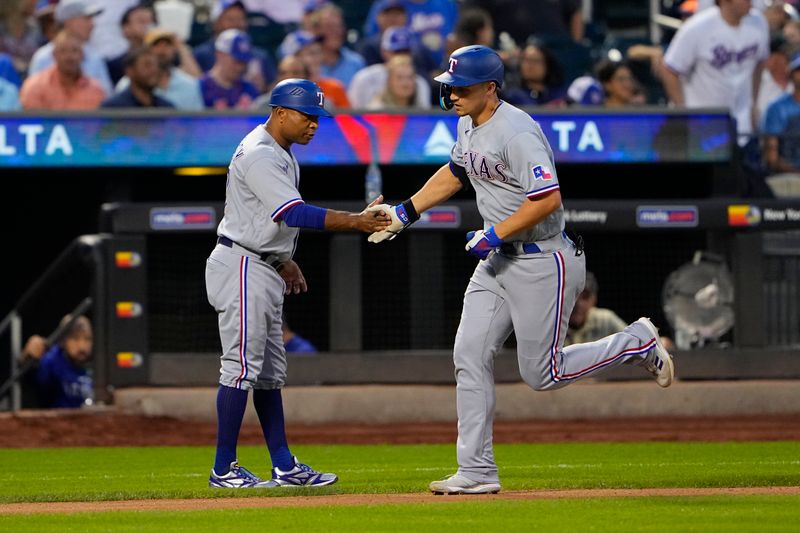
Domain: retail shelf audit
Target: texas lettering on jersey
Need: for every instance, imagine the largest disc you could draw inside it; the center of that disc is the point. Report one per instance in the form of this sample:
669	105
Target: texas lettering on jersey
480	168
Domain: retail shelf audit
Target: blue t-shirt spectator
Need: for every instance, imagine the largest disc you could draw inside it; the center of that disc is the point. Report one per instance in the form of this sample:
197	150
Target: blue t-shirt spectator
349	63
239	96
783	120
9	96
7	70
61	383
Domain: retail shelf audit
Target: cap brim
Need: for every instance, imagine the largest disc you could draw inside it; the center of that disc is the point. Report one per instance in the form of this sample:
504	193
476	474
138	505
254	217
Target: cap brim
451	80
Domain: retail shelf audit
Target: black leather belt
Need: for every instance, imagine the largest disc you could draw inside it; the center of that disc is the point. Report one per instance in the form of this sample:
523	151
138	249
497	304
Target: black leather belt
269	258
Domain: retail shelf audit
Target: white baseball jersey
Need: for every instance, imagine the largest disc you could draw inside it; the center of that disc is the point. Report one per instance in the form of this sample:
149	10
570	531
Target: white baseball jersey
509	161
716	61
262	185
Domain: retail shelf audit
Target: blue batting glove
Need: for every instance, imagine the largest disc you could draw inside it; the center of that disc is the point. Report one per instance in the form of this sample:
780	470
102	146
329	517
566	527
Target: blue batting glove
482	243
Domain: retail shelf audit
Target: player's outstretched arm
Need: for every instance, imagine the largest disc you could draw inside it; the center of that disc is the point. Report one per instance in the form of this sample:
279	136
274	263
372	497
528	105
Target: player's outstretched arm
441	186
368	221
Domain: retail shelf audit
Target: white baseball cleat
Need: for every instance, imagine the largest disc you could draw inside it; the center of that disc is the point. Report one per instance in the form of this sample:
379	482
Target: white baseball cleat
658	362
238	477
458	484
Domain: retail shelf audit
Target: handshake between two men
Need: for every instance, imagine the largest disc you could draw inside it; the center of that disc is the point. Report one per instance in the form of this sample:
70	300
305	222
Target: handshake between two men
482	244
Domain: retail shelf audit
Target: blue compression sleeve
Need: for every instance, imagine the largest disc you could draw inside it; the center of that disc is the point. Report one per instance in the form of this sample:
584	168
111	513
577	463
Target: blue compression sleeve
305	216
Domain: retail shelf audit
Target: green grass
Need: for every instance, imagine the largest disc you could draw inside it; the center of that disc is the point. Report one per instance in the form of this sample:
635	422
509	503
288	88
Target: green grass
701	513
71	474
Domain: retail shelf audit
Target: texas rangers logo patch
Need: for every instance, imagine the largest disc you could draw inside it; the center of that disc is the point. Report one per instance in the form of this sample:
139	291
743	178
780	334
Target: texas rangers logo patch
541	172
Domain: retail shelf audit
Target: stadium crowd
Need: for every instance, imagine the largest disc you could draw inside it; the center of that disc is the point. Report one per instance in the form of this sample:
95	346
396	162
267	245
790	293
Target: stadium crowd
225	54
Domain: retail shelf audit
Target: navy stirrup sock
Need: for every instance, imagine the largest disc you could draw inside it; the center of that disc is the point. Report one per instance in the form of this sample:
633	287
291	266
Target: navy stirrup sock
231	404
269	406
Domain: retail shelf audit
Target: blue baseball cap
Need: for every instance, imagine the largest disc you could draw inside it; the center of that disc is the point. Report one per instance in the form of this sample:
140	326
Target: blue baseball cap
586	91
236	43
396	39
296	41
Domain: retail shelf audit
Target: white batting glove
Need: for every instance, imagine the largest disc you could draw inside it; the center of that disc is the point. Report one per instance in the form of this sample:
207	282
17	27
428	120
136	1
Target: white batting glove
399	222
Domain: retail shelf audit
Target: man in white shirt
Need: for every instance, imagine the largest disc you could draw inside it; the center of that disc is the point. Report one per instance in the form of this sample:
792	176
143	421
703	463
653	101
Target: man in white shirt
716	60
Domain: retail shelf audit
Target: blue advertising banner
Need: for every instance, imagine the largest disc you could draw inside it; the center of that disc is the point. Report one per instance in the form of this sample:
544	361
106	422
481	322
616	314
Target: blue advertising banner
209	139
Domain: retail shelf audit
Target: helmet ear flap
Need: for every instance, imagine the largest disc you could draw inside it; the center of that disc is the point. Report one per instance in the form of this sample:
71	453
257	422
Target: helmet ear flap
444	96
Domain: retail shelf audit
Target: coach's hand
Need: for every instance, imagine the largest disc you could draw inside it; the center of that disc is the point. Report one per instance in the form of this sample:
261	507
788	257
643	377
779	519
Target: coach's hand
481	243
400	221
293	276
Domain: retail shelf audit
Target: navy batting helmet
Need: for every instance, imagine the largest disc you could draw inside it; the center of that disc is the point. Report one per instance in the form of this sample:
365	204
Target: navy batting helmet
467	66
301	95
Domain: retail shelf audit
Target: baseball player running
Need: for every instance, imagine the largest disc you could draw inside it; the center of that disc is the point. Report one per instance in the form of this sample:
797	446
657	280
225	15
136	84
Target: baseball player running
251	269
529	274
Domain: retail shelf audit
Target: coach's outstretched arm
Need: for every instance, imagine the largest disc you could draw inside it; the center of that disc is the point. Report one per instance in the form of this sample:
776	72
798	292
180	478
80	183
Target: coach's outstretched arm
440	187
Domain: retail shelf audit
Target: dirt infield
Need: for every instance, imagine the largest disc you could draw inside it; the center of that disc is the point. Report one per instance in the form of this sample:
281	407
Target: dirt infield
74	428
371	499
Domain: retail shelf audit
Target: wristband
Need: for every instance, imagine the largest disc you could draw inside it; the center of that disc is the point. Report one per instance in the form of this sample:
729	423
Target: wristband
411	212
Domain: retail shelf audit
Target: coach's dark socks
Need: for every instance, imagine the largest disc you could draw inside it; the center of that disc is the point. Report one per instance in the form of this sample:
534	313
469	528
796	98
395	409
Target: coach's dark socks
231	404
269	406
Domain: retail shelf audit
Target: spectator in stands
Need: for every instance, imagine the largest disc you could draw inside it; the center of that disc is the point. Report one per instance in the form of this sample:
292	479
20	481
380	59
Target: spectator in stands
76	18
142	71
474	26
227	15
791	32
294	343
224	86
371	80
46	19
306	46
107	40
9	96
388	13
589	323
781	128
338	61
135	24
716	59
174	85
429	21
20	36
541	80
775	80
620	87
63	86
585	90
289	67
550	20
777	13
62	379
400	91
